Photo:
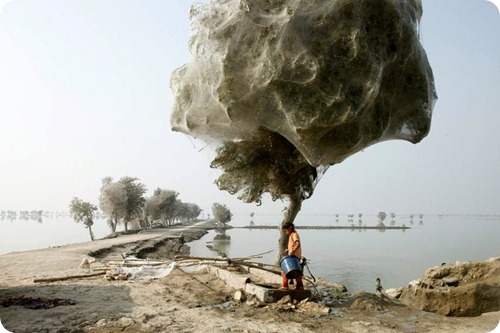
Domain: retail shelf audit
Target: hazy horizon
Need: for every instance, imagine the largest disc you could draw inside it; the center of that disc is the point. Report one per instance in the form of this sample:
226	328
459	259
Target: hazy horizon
85	94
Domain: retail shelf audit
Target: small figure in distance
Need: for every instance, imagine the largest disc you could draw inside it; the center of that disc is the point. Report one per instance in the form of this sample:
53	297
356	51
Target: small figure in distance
378	286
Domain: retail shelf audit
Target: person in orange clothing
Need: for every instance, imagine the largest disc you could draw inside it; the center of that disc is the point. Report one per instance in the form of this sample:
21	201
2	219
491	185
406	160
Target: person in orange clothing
294	249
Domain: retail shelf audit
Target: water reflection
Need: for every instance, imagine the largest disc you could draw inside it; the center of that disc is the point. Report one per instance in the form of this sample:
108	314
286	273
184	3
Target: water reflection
221	242
36	215
33	215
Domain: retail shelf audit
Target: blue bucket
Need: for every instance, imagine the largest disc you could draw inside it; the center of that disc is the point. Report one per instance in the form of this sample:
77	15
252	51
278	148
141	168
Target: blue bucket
291	267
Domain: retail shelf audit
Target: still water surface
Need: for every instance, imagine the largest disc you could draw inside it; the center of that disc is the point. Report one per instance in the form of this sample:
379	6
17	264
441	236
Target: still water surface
29	234
356	258
352	257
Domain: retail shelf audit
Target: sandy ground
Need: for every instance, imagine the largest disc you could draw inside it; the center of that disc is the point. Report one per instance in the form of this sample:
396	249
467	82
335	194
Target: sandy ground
184	301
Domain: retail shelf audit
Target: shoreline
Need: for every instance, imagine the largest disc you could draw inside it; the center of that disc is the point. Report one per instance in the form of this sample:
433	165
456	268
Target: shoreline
331	227
65	259
122	236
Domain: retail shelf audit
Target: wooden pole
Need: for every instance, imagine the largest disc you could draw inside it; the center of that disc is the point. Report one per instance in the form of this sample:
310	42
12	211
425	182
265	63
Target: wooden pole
68	277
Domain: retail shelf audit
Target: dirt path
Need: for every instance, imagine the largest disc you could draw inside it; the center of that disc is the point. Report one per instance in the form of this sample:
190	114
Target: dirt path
66	259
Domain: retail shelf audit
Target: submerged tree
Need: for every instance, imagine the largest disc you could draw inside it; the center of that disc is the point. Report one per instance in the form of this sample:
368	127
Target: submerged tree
221	213
82	211
381	217
267	163
223	216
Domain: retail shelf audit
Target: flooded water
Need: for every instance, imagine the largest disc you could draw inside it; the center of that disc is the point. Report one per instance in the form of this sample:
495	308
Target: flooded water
29	234
352	257
357	257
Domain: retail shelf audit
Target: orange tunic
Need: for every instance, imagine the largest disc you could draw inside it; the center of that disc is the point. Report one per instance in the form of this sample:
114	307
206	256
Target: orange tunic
294	244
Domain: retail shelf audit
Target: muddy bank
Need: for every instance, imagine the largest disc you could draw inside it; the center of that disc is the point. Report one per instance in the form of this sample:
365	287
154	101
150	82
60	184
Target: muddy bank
462	289
173	243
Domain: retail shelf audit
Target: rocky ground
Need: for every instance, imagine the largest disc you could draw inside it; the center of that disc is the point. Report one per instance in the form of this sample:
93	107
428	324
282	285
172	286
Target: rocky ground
195	300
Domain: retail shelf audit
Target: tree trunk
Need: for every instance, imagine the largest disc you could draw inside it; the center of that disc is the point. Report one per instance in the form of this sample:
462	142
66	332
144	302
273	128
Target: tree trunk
91	233
290	214
145	219
115	224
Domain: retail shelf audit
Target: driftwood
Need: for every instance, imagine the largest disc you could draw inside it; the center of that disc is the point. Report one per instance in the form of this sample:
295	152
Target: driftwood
62	278
256	265
137	263
201	258
258	255
187	259
236	261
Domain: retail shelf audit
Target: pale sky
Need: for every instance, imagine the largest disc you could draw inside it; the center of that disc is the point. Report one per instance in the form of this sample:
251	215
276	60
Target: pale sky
84	94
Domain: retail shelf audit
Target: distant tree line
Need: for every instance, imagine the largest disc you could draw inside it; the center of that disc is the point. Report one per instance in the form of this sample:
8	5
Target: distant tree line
123	201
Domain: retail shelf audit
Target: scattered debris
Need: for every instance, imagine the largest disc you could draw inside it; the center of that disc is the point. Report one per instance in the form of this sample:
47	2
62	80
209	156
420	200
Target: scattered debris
313	308
86	262
239	296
